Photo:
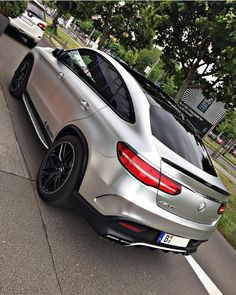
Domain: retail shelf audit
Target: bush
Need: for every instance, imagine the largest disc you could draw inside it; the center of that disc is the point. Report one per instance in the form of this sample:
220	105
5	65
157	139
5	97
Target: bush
13	8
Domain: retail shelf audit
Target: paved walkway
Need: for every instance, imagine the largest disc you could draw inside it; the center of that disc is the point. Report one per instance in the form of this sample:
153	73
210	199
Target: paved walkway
222	170
26	262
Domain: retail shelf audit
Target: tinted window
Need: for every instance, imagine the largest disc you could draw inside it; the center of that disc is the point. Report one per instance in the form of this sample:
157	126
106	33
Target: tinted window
103	77
36	11
178	135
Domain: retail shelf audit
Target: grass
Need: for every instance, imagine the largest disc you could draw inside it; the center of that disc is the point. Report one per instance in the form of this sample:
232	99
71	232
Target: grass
61	37
227	157
226	168
227	224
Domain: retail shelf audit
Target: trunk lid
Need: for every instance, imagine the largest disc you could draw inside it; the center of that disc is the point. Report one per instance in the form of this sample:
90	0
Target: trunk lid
201	193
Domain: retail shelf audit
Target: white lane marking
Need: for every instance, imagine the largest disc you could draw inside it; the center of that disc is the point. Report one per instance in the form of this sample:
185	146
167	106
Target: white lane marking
203	277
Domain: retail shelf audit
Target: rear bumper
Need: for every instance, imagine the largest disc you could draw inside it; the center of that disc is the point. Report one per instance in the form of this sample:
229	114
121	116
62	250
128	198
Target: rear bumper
25	33
108	227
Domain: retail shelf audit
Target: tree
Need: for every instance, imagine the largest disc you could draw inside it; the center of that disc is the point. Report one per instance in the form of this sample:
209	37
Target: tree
63	7
200	36
228	124
126	21
13	8
228	127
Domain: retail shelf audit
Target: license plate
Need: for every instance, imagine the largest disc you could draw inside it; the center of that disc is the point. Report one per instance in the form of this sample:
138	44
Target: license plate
26	20
172	240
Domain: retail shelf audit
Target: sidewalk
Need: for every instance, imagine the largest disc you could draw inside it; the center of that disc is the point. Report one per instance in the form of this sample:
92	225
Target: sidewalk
222	170
26	262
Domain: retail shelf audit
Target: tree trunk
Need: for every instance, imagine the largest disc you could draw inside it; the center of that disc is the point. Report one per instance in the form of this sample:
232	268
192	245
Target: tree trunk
230	146
55	20
103	38
185	84
202	49
182	89
217	152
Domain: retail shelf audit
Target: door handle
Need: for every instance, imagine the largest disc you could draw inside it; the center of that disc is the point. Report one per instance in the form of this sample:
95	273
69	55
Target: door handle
60	75
84	105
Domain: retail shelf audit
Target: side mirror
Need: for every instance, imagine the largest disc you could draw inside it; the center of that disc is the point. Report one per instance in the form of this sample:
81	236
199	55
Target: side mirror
57	52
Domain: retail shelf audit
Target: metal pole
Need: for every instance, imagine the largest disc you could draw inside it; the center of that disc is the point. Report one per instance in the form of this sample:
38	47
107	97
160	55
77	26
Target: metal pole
153	67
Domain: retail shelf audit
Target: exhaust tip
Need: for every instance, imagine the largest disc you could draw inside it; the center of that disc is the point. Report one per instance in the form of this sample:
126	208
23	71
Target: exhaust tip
117	240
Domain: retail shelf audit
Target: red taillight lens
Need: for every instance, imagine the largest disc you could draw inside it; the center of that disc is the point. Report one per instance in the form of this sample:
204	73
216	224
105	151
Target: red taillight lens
42	26
169	186
145	172
129	226
221	209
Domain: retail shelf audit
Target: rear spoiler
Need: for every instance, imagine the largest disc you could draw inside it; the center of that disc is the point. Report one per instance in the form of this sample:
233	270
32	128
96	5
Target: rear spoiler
223	192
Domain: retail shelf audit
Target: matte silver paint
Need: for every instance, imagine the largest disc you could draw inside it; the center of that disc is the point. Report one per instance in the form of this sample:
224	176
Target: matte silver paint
62	99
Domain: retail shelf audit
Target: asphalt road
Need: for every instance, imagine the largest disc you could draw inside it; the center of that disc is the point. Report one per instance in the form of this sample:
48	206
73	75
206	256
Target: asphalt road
48	250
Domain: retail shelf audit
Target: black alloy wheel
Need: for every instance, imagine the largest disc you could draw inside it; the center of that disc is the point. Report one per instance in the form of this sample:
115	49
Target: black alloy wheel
20	78
61	170
57	168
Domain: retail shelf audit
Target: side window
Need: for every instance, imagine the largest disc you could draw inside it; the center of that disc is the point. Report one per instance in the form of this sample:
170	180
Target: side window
104	78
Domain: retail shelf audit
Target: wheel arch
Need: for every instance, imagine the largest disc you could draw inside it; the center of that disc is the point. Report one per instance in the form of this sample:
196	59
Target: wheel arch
75	131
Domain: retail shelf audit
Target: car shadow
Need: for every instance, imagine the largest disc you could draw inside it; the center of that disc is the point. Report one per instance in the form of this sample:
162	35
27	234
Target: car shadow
16	36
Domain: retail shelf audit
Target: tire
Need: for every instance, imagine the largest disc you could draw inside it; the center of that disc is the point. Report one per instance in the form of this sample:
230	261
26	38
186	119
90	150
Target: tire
31	43
20	78
60	172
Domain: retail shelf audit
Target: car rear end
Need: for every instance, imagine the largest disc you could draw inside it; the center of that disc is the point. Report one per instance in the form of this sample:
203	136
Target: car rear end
143	187
32	23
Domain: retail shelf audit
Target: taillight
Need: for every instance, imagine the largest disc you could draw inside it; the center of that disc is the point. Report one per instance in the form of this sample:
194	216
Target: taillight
42	26
221	209
129	226
169	186
145	172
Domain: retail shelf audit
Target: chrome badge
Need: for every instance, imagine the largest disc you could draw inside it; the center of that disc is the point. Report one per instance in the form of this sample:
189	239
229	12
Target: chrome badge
202	207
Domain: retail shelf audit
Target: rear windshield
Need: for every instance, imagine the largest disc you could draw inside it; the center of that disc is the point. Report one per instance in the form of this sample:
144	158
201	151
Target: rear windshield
178	135
36	11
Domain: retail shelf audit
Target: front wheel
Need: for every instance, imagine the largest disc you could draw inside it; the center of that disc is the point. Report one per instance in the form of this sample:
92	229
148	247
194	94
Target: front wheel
61	170
20	78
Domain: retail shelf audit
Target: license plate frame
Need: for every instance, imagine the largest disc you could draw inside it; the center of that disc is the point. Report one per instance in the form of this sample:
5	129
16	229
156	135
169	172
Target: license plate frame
172	240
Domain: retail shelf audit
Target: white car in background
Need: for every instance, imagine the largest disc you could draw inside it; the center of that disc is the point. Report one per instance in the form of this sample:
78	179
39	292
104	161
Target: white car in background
31	24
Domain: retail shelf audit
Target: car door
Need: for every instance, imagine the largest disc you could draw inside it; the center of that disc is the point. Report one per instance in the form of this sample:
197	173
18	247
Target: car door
45	77
78	96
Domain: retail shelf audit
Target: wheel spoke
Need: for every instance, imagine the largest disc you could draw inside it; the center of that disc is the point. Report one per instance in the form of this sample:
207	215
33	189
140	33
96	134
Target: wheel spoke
57	182
49	179
20	75
68	157
54	162
57	167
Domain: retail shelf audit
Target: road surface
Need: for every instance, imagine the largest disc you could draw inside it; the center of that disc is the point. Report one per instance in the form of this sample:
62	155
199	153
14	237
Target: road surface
48	250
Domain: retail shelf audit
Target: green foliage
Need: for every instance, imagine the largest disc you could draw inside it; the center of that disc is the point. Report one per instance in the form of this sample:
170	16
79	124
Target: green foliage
51	4
228	124
13	8
198	34
147	57
139	60
86	26
116	49
227	224
126	21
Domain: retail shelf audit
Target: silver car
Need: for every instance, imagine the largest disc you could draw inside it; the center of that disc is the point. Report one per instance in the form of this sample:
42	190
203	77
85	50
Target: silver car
119	149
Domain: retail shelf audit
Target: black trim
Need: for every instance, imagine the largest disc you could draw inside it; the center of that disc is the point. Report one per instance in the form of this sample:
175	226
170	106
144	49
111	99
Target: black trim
223	192
42	126
108	225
